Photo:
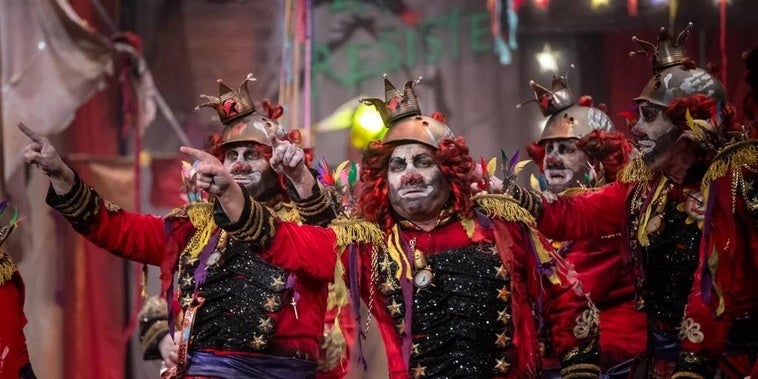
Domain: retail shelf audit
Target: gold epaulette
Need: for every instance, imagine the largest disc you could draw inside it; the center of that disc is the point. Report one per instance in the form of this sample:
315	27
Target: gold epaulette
356	230
503	207
734	156
574	191
177	213
287	212
7	267
635	171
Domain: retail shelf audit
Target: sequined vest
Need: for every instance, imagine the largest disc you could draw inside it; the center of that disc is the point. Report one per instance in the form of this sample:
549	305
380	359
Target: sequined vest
664	270
462	323
240	291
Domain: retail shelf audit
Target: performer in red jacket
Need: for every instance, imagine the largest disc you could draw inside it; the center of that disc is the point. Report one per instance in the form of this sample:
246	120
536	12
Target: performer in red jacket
14	358
578	151
683	206
451	281
243	317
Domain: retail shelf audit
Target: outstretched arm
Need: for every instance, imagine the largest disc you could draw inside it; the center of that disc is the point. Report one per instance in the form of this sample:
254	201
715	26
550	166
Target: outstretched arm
215	179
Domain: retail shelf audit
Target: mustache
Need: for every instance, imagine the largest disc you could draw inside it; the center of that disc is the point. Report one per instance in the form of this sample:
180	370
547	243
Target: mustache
411	180
240	169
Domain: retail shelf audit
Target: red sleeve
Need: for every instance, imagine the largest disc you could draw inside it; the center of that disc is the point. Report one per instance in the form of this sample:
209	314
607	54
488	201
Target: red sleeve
137	237
133	236
591	214
303	248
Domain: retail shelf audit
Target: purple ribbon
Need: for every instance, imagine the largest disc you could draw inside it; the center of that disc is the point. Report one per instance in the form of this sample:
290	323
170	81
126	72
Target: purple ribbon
706	284
201	271
355	300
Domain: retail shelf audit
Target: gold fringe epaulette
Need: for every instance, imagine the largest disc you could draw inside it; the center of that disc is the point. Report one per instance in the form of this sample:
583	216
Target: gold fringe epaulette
7	267
635	171
574	191
350	231
201	216
737	155
503	207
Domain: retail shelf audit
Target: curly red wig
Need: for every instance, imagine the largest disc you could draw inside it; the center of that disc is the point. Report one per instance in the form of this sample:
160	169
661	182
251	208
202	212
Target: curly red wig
701	107
452	158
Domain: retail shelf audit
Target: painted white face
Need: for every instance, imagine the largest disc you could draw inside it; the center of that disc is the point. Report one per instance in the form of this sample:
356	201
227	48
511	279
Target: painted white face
249	168
650	127
564	164
417	189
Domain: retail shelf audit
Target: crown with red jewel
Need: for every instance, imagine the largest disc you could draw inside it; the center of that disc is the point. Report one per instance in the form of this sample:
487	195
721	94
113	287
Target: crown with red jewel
396	105
668	52
552	100
230	104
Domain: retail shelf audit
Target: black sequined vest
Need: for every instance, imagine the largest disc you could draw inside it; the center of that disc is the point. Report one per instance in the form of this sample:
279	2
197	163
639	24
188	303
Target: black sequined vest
240	292
462	323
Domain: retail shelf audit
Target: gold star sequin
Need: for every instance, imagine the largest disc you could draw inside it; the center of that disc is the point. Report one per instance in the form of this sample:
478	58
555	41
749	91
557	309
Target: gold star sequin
272	303
187	281
400	327
394	308
385	264
388	286
186	300
265	325
501	272
414	349
258	343
277	283
502	340
502	294
419	371
502	366
504	316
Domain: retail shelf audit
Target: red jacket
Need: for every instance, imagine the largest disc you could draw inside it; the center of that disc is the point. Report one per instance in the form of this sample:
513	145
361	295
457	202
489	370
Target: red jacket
158	241
298	247
13	353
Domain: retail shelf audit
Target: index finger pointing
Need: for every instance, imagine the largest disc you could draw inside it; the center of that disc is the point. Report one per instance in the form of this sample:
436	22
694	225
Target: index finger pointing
34	136
196	153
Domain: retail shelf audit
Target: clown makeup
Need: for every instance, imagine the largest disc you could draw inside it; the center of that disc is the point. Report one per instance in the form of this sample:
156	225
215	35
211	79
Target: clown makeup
249	168
417	189
650	127
564	164
655	135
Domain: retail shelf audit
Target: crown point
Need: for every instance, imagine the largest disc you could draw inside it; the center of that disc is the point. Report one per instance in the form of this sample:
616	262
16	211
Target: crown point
384	75
572	66
219	81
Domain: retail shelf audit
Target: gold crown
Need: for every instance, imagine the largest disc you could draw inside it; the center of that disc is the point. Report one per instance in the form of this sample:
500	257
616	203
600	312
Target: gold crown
230	105
396	105
668	52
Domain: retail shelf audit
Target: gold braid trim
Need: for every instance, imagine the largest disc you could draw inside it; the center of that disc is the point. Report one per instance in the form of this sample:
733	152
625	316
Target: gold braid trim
287	212
635	171
201	216
733	156
260	228
314	206
7	267
582	374
503	207
153	332
349	231
686	374
574	191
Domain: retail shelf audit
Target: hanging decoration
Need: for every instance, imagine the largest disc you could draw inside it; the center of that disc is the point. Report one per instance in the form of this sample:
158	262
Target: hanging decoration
595	4
296	60
503	25
631	8
673	5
